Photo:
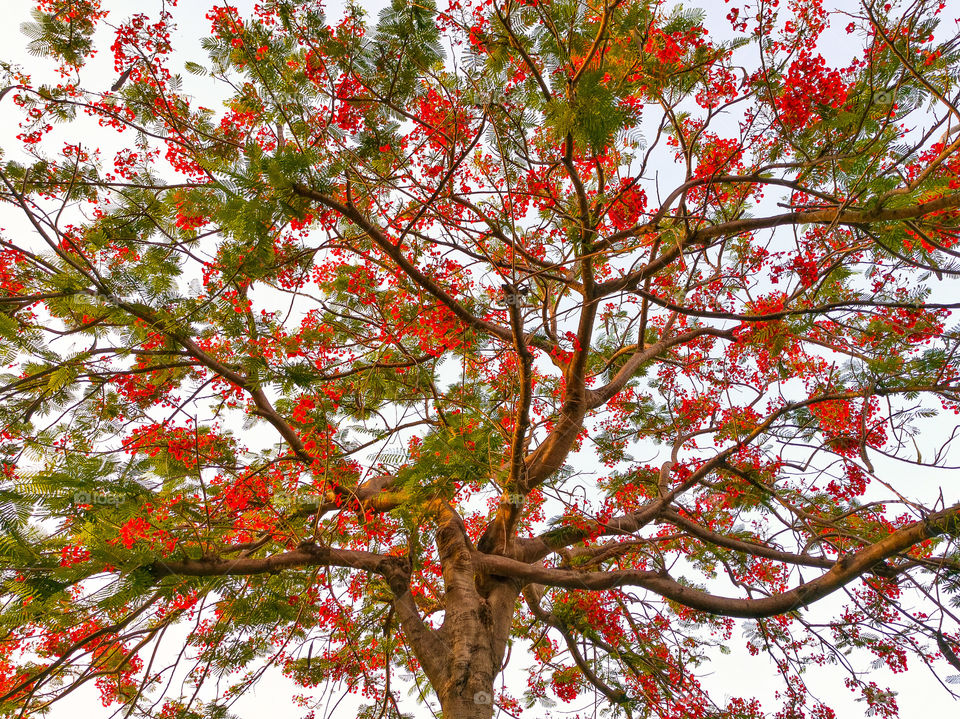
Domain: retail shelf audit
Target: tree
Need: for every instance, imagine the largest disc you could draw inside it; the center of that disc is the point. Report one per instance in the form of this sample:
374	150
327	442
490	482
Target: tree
549	323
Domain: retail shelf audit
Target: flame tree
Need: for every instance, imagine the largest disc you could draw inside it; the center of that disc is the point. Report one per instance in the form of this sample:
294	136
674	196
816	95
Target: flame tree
555	325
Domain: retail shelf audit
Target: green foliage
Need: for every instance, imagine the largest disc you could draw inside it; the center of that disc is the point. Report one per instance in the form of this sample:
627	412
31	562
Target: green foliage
262	360
66	34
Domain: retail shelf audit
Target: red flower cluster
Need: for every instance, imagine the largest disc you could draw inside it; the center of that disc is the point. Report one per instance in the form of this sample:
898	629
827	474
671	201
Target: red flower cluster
809	83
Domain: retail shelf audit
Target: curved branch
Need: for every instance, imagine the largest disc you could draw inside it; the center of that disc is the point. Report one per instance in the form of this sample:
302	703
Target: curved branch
739	545
600	396
847	568
829	216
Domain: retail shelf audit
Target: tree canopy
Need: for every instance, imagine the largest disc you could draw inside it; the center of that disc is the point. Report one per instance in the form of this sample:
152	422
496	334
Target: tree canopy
582	330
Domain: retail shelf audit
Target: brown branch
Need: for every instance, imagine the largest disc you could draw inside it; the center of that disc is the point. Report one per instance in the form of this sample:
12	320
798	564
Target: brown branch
800	311
614	695
306	555
600	396
847	568
829	216
394	252
739	545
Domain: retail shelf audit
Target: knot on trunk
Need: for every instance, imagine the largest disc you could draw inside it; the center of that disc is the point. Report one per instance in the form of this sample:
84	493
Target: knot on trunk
397	571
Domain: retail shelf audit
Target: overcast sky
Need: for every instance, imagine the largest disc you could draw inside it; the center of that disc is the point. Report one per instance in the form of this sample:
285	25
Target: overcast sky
920	697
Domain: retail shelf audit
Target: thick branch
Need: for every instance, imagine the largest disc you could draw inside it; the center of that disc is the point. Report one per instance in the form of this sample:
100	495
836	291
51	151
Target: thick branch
847	568
306	555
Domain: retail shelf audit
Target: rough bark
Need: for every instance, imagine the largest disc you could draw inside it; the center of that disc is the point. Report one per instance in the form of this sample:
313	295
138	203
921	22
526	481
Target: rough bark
476	624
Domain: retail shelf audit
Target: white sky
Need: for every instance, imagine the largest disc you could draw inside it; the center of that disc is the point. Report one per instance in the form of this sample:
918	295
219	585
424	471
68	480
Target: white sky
919	696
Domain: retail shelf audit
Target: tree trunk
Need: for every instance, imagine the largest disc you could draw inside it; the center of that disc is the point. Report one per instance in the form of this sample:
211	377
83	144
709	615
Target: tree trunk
472	700
475	657
478	613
